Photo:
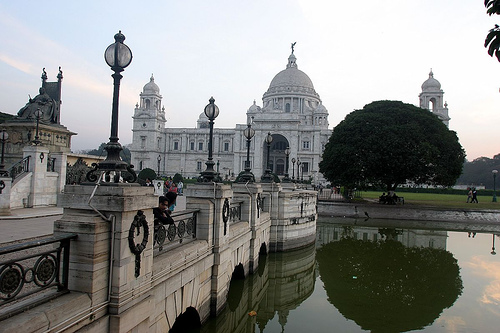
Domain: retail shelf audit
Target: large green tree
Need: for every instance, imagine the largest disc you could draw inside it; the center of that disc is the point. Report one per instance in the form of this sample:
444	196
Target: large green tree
388	143
492	41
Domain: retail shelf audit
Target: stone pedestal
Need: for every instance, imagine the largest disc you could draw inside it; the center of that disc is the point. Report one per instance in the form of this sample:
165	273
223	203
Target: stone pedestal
252	211
39	192
104	221
209	198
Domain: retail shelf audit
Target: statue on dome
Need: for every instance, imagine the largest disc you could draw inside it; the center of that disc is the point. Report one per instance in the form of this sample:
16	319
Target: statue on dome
42	102
293	45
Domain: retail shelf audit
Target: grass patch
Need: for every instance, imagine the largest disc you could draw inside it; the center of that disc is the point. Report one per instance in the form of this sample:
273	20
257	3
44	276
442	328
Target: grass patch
439	200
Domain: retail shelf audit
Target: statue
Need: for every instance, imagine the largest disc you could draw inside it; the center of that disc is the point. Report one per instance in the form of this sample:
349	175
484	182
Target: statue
42	102
293	45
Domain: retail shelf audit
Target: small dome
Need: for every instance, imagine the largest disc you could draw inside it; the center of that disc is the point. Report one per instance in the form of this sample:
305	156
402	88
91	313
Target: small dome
321	109
254	107
151	86
203	121
431	84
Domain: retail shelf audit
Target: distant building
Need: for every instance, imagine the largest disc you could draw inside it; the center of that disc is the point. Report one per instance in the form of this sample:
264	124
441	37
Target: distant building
292	112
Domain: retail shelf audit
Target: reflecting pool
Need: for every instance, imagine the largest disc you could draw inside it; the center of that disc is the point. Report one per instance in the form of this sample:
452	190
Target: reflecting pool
373	276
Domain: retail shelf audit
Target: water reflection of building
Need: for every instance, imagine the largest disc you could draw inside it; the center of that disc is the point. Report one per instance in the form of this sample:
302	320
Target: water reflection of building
341	228
280	285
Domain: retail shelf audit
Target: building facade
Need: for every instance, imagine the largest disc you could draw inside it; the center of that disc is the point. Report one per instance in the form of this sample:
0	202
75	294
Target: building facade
292	112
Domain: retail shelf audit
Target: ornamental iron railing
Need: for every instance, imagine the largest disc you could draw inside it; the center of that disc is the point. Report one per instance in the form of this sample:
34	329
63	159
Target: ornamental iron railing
33	267
183	229
20	168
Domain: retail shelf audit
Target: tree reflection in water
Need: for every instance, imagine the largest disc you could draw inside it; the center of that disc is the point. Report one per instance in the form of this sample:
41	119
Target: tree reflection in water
386	287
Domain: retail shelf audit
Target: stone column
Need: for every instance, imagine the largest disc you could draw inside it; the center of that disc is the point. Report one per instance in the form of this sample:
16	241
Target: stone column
209	198
112	212
252	212
39	194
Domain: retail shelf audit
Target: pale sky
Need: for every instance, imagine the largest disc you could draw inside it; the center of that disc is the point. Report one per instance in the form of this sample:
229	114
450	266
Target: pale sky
355	52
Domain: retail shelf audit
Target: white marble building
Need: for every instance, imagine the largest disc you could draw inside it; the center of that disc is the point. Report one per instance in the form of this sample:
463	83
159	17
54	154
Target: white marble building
292	112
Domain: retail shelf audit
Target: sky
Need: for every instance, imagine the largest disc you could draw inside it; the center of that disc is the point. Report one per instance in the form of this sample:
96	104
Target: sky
355	52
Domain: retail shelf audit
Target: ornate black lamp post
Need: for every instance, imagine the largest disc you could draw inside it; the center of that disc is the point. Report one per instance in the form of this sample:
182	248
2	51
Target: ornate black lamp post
299	163
287	153
3	137
494	185
118	56
493	246
293	169
248	176
159	161
209	175
267	177
38	115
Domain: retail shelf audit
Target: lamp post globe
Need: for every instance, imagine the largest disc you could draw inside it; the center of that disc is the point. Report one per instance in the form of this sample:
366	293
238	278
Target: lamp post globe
494	185
209	175
118	56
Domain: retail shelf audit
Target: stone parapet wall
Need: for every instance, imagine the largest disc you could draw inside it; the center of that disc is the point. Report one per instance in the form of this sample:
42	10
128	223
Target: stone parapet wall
406	213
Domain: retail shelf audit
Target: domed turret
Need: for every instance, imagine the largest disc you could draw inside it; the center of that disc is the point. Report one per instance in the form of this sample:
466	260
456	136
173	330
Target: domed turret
203	121
151	86
431	84
254	108
431	98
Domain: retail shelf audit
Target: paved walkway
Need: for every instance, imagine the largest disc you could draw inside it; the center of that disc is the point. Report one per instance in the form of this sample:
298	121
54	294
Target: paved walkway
25	223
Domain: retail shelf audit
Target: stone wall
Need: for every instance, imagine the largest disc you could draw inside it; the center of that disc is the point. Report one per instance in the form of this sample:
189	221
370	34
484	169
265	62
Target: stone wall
402	212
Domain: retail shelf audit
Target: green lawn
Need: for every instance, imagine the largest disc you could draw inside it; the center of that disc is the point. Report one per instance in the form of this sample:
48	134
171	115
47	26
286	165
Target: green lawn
439	200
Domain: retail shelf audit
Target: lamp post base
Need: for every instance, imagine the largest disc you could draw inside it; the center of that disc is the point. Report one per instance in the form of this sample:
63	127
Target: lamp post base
113	163
267	177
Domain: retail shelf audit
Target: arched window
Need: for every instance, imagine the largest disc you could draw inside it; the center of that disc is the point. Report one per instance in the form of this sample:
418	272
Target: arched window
287	107
148	103
432	105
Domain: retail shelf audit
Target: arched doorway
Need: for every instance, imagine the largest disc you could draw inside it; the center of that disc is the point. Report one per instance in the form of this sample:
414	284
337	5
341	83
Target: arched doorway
277	156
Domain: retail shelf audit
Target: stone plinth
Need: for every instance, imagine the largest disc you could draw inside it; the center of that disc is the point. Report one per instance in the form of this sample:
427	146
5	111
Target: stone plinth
209	198
103	220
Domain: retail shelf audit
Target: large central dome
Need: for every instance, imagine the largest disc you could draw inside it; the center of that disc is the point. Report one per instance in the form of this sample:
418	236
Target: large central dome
291	76
291	81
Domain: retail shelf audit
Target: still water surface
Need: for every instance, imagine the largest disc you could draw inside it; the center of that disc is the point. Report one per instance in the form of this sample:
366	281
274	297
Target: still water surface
375	278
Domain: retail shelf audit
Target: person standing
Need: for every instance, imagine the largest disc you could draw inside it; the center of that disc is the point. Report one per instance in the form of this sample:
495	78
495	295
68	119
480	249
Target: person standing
180	186
474	195
469	194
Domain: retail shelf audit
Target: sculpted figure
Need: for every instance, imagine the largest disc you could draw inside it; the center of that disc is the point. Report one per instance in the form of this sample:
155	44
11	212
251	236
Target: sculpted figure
43	102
